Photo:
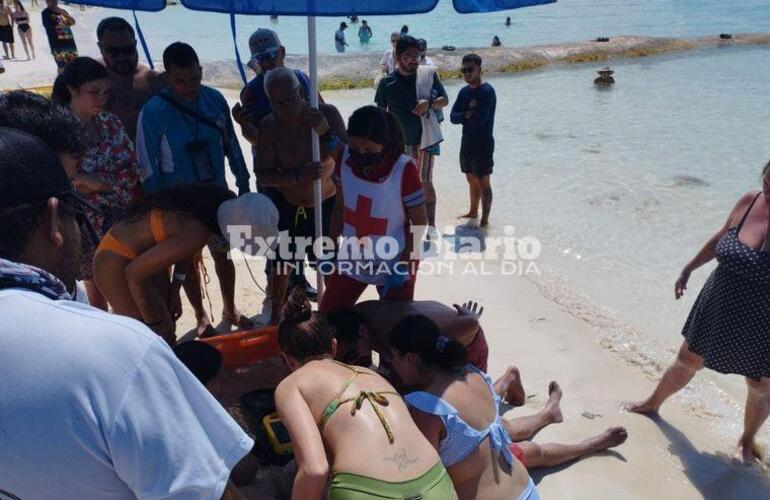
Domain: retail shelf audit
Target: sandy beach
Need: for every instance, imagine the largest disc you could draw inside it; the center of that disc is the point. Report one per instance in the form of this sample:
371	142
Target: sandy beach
679	455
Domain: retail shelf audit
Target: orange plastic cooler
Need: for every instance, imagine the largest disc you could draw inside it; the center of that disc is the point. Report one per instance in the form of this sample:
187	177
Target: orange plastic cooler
246	348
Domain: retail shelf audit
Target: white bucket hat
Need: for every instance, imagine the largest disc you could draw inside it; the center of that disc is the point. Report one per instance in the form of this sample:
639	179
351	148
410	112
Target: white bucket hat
247	217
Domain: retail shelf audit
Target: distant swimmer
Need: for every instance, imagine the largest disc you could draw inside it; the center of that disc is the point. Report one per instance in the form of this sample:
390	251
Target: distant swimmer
496	41
404	30
274	17
605	77
339	37
353	19
507	21
364	32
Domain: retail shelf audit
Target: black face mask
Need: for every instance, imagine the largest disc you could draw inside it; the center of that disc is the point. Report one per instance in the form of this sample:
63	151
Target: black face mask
364	160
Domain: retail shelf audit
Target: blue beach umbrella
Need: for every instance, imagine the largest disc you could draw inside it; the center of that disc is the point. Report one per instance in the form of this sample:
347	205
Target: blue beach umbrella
310	9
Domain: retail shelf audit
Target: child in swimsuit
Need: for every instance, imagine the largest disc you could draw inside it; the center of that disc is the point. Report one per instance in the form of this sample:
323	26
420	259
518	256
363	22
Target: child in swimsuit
352	416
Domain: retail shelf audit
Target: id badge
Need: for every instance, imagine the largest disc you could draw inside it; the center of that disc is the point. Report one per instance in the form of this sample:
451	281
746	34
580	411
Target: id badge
200	159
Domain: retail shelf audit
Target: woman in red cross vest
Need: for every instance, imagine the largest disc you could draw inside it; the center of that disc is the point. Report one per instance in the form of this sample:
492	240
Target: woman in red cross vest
380	206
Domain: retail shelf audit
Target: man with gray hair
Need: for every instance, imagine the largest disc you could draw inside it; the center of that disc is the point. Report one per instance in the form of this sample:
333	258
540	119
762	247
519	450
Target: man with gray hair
285	170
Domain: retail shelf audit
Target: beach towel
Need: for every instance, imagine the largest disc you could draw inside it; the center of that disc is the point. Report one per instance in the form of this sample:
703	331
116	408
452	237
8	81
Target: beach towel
431	128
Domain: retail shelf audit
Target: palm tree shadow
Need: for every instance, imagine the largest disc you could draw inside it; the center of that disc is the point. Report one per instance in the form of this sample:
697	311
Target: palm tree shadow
541	473
716	476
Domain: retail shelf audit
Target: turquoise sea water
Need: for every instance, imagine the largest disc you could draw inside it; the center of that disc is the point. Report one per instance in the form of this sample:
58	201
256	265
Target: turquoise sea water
564	21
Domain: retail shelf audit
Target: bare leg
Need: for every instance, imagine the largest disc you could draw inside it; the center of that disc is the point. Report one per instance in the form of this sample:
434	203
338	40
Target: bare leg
757	411
279	283
522	428
430	201
551	454
5	50
486	200
192	288
225	269
23	37
474	190
95	296
677	376
509	387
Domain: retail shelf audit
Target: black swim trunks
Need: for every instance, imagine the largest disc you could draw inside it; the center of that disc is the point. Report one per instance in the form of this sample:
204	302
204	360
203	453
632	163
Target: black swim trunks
6	34
477	159
297	222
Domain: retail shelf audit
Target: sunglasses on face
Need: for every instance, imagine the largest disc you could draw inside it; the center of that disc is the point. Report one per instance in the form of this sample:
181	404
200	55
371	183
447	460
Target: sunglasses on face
120	51
466	71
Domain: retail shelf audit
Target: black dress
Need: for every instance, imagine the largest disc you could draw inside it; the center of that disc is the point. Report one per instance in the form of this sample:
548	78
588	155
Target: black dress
729	325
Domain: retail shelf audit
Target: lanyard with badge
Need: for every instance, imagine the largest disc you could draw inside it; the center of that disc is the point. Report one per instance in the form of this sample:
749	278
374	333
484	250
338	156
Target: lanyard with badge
197	149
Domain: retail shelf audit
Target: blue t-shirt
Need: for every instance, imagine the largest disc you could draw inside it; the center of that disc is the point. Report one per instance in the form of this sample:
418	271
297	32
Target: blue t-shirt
478	129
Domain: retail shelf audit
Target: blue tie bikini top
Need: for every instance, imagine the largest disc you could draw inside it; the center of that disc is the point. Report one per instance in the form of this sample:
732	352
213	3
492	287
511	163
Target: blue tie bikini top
461	439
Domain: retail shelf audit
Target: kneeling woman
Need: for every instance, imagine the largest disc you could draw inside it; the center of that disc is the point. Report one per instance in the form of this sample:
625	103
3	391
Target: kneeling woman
163	229
348	421
457	411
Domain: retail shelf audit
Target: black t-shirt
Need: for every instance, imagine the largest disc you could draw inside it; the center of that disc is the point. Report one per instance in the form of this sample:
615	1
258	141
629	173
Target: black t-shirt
60	37
398	94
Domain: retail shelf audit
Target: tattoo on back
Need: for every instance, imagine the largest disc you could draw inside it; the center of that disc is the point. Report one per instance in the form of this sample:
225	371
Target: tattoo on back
401	460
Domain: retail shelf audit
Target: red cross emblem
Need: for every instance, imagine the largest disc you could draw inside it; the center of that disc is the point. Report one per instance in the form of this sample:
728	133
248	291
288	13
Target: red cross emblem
362	221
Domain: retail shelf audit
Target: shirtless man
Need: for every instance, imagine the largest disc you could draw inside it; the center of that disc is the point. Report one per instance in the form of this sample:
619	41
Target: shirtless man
132	84
367	326
6	30
285	169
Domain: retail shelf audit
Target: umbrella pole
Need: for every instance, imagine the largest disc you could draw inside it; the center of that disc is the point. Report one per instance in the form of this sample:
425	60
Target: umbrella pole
318	202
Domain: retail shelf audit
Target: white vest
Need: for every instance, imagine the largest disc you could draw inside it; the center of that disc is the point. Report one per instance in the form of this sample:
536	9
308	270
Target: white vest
374	229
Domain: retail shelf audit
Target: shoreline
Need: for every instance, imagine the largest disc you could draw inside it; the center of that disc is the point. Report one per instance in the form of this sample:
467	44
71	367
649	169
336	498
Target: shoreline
344	72
355	71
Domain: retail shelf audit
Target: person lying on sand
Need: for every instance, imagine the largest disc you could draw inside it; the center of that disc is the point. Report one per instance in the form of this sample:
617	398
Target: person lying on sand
366	327
163	229
422	357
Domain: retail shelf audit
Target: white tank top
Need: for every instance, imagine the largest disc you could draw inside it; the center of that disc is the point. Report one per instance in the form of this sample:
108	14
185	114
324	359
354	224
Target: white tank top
374	230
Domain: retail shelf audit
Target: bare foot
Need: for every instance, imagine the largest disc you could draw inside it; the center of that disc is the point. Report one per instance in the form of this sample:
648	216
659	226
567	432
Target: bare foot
612	437
204	323
642	407
553	407
484	223
509	387
750	454
469	215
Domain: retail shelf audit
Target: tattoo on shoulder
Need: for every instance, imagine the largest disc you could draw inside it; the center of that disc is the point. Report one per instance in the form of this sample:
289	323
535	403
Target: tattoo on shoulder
400	459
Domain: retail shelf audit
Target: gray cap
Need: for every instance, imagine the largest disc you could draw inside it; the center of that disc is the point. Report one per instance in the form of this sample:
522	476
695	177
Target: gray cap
263	44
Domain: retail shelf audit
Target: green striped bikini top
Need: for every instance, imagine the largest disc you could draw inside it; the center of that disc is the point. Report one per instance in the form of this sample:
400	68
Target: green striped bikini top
376	399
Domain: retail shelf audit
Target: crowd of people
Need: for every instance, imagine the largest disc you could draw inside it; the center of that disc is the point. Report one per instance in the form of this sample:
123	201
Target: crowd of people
118	182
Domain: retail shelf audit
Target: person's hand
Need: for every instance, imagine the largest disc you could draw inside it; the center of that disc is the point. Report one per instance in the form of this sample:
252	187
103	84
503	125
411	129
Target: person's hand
423	105
473	104
315	119
309	172
241	115
87	183
681	284
175	305
469	114
469	308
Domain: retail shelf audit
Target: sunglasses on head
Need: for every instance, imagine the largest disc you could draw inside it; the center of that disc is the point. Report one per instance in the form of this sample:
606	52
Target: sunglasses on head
117	51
